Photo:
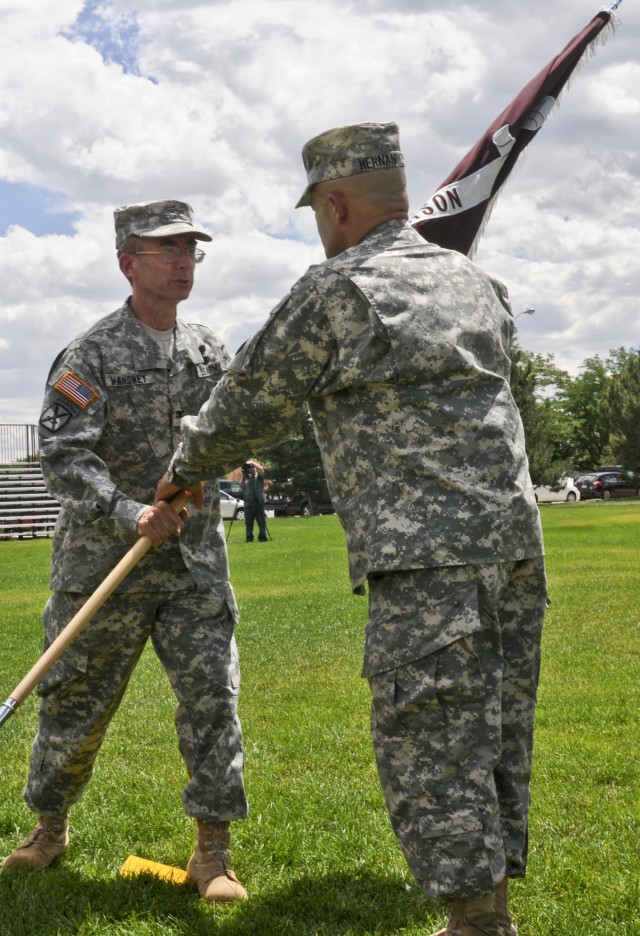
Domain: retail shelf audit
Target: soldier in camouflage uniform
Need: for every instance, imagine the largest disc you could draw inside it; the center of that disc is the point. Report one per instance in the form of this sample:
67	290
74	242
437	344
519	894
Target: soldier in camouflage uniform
110	421
401	352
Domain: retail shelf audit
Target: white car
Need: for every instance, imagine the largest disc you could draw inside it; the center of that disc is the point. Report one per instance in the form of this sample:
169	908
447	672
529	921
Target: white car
230	507
567	491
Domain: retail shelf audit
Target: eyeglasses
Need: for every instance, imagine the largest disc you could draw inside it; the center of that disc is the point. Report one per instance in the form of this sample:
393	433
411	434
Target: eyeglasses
170	253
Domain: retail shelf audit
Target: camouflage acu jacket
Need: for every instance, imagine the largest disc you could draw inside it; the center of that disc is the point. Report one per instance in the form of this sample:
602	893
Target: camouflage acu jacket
109	423
401	351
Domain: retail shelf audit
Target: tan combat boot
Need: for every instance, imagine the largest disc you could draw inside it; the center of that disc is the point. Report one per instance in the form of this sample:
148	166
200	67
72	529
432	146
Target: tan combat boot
48	841
502	908
475	917
209	867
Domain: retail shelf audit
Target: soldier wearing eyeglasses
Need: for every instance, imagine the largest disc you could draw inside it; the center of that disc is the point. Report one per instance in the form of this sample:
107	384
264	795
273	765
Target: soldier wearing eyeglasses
110	422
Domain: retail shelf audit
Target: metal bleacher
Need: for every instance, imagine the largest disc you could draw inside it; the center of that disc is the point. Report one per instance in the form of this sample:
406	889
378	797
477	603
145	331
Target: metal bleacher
27	510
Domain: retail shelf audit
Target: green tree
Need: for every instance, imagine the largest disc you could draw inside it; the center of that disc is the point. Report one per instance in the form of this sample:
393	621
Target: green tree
296	465
537	386
624	409
587	401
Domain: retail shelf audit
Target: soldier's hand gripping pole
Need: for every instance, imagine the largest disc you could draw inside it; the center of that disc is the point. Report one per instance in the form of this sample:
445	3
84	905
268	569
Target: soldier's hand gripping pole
84	615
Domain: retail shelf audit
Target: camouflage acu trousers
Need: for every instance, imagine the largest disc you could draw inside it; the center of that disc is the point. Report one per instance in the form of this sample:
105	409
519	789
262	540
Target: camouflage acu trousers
193	636
452	657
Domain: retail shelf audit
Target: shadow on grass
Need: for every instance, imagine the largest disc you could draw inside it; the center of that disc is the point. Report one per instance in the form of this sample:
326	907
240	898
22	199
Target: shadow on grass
60	900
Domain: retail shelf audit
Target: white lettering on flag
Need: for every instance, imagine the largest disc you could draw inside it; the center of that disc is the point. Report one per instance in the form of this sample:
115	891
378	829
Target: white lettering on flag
478	187
476	181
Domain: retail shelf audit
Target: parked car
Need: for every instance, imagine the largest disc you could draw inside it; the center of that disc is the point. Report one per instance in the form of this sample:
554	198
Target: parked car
608	484
566	491
231	487
300	504
231	508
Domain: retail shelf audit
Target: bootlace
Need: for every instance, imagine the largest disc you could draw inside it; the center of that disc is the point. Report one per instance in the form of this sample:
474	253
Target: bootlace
214	851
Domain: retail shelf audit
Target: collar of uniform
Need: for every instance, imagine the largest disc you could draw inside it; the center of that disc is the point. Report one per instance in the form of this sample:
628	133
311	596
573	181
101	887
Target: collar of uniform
187	341
147	354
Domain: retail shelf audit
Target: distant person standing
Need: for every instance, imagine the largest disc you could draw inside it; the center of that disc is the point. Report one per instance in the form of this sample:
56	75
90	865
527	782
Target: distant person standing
254	501
110	420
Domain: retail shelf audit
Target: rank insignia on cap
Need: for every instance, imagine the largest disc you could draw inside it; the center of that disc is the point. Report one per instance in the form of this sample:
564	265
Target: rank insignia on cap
77	390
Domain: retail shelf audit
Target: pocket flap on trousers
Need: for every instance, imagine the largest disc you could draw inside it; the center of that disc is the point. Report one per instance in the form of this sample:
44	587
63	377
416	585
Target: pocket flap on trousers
415	632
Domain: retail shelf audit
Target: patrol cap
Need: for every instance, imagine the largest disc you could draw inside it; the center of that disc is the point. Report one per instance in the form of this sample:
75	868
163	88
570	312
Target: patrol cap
155	219
350	150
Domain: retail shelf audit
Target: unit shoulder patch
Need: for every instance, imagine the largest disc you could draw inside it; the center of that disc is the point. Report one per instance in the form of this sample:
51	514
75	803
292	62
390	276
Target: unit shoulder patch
55	417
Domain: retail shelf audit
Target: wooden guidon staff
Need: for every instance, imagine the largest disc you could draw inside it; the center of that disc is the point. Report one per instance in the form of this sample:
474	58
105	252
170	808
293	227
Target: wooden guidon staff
84	615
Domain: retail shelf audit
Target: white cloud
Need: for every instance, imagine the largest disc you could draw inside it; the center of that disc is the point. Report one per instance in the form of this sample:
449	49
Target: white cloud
211	102
38	19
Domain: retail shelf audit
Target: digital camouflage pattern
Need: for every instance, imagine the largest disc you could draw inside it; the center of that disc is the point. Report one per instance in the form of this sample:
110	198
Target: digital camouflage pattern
401	352
110	420
192	633
350	150
156	219
101	459
453	657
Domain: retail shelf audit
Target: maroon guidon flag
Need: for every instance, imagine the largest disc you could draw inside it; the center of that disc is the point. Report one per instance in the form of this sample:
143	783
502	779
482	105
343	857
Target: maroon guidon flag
455	215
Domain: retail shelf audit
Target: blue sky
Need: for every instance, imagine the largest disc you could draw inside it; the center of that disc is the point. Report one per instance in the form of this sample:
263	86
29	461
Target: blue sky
113	32
109	103
33	207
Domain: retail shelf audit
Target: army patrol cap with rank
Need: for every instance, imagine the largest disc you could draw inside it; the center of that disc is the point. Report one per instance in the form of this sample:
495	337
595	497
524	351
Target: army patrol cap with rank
156	219
350	150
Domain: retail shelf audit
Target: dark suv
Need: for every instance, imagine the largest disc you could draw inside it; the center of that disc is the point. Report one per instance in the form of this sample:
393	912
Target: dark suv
300	504
608	484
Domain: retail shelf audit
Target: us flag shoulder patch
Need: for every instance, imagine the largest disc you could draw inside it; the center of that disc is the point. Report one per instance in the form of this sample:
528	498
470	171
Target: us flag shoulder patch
77	390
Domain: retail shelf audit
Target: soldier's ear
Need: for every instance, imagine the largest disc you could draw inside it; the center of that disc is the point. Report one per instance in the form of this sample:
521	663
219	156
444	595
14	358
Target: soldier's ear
339	207
125	262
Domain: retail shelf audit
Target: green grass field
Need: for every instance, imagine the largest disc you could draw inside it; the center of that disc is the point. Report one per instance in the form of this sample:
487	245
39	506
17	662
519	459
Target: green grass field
317	853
